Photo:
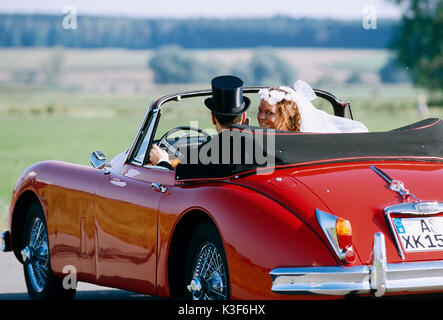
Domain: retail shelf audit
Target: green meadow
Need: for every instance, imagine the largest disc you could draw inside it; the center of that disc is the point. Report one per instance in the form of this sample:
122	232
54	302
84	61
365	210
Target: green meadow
104	95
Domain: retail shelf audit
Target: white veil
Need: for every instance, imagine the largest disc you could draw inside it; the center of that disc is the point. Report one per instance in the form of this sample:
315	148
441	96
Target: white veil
313	119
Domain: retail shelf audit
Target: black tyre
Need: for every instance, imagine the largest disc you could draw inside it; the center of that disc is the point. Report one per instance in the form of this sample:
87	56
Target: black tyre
40	281
206	270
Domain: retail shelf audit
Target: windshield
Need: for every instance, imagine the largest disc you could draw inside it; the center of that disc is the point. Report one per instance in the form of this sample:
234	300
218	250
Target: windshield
193	112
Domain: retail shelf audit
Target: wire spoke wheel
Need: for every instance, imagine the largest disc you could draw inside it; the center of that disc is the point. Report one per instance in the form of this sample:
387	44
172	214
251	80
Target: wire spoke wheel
41	282
207	272
37	257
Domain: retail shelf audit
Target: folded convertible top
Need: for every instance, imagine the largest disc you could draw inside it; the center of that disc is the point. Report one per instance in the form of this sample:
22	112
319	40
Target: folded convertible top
421	141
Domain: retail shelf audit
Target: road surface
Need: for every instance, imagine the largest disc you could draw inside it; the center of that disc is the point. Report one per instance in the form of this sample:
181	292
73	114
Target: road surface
13	286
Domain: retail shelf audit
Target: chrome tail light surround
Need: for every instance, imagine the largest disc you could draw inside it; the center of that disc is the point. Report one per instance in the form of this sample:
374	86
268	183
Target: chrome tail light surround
328	223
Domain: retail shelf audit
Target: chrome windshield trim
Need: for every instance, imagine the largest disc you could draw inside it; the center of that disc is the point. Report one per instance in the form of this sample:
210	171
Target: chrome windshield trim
377	278
199	93
341	108
138	134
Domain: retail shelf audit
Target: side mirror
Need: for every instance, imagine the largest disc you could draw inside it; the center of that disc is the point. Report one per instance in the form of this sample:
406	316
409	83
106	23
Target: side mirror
98	159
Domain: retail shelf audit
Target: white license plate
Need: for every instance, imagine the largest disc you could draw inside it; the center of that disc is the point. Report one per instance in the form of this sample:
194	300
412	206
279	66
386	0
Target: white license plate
420	234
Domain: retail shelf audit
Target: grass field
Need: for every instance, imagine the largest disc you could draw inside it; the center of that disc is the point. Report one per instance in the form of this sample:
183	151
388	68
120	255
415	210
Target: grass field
105	93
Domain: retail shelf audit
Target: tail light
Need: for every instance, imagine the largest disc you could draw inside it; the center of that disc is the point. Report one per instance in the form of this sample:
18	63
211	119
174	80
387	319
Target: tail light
339	233
344	233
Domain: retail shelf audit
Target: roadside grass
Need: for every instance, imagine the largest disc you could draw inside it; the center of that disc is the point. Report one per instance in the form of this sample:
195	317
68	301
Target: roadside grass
27	140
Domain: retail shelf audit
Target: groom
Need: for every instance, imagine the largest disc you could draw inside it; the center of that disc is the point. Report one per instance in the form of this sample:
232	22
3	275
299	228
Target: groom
228	107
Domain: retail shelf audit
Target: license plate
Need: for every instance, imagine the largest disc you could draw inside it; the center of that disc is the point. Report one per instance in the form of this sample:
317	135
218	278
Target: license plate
420	234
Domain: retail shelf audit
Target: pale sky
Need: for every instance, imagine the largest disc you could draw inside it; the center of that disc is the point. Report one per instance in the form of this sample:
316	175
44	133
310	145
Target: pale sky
339	9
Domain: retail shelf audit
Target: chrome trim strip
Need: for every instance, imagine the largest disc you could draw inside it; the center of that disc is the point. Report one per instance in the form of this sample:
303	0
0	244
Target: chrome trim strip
394	185
394	234
139	133
199	93
417	208
149	127
158	187
382	174
377	278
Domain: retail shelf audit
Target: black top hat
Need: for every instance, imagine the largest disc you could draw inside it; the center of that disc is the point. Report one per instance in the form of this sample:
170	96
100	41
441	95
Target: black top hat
227	96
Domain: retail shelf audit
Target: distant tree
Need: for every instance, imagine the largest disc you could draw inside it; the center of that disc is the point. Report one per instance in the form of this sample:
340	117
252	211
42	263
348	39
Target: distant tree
266	68
136	33
269	69
243	71
325	80
391	72
354	78
419	42
171	64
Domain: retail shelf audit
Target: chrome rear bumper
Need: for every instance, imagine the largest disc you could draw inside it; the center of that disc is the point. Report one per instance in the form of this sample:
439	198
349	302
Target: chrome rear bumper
378	278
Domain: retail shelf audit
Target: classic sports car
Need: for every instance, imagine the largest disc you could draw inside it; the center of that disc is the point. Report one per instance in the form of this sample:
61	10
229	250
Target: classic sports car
336	215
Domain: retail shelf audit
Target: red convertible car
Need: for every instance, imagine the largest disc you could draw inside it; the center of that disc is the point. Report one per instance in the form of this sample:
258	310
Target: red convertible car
335	215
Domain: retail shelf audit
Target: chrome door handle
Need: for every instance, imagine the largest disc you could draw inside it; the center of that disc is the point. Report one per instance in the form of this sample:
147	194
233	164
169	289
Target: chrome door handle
158	187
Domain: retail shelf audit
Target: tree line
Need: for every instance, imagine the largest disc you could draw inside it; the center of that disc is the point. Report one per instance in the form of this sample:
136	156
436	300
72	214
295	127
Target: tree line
172	64
416	39
27	30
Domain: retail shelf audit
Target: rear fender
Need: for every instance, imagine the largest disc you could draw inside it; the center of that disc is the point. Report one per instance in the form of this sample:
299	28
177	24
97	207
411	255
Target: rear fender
258	235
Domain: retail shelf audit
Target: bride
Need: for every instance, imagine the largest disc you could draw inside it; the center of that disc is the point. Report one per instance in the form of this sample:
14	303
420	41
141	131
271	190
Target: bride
288	109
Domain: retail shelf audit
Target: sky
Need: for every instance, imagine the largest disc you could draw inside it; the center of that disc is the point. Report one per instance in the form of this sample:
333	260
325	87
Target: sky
339	9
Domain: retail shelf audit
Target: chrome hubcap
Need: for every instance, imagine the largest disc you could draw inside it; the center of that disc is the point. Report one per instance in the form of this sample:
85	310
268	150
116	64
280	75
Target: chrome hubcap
26	254
209	275
36	255
195	287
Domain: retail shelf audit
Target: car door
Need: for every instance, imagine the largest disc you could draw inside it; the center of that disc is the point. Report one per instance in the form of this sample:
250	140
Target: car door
127	204
126	227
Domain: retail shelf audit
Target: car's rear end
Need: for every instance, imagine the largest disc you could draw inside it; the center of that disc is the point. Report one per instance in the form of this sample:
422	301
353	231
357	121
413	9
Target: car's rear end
376	204
384	223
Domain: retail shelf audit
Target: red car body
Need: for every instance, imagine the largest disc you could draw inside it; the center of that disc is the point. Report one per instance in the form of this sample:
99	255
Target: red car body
119	231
